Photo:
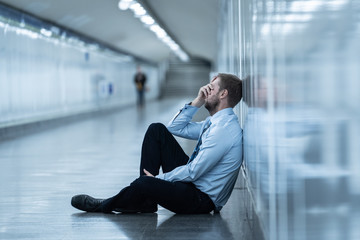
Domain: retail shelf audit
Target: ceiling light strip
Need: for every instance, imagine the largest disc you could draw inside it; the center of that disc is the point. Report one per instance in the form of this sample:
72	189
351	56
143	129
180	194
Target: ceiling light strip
149	22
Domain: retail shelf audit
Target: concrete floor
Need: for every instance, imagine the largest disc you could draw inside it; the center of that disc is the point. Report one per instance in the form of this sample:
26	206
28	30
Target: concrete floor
39	174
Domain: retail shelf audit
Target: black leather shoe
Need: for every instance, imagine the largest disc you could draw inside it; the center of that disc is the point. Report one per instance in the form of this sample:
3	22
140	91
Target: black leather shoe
86	203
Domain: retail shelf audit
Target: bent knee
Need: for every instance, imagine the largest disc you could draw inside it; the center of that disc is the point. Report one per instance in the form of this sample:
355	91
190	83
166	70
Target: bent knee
142	182
155	126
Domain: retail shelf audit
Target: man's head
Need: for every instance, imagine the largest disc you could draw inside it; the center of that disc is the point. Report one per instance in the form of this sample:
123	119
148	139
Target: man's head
233	85
226	92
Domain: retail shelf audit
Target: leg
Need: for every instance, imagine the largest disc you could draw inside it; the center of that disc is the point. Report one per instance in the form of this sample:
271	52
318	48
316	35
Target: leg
145	192
160	149
141	97
138	99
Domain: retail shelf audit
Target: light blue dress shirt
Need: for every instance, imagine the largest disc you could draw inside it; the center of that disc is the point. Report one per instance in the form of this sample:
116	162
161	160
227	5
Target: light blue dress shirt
215	169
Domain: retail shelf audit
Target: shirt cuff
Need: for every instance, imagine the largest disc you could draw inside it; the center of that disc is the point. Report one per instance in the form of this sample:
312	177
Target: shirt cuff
161	176
190	110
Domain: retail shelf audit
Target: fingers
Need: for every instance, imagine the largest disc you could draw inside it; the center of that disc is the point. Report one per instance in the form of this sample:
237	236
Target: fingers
147	173
206	90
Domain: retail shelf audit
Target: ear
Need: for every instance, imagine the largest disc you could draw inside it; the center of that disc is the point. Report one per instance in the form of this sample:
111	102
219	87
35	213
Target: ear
224	93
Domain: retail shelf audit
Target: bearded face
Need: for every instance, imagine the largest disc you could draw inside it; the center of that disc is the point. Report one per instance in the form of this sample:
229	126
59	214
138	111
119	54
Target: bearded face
212	102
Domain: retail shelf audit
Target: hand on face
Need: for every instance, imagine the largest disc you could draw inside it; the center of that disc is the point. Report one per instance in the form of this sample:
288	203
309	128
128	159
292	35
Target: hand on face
203	94
205	91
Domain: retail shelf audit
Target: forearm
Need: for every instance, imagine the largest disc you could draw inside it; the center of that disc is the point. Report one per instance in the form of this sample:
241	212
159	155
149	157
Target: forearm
181	124
197	102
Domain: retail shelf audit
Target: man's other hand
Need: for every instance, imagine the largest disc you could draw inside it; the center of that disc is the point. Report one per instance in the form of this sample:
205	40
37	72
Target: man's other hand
147	173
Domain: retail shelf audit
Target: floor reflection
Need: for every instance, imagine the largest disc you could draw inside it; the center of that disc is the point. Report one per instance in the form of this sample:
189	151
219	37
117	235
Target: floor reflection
150	226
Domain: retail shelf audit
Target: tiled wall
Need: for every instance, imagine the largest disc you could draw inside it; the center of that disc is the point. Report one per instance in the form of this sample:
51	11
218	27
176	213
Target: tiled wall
300	114
48	72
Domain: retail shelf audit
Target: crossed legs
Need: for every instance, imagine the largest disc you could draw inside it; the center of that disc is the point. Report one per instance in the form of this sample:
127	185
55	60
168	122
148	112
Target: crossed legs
159	150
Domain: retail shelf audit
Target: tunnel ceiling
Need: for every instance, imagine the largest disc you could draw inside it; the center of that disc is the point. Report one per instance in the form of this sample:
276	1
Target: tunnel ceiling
193	24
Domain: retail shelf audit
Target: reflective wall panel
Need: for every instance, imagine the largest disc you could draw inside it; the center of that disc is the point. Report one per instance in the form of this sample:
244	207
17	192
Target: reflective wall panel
300	113
47	72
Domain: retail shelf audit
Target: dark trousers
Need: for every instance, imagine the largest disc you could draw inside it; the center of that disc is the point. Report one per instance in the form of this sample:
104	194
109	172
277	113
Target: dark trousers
140	97
160	149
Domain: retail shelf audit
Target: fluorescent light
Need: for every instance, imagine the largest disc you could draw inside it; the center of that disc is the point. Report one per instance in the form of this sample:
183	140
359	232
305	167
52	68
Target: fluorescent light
167	39
161	34
140	12
124	5
174	46
158	30
182	55
147	20
45	32
27	32
154	27
135	5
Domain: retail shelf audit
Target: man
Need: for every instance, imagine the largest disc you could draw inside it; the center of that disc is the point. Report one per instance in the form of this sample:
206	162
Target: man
140	80
199	184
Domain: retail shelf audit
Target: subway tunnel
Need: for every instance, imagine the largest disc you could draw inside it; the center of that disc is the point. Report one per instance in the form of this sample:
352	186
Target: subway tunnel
72	120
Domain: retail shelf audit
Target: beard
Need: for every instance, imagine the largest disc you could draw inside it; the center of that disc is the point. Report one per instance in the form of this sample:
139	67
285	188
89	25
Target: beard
211	106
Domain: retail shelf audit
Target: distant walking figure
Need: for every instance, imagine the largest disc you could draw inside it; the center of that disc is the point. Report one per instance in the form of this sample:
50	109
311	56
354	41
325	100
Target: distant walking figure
140	80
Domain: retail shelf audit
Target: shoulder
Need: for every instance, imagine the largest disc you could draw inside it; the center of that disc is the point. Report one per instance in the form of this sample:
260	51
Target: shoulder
228	130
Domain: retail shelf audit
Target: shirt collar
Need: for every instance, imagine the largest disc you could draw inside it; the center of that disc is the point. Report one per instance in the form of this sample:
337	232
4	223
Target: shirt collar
220	114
